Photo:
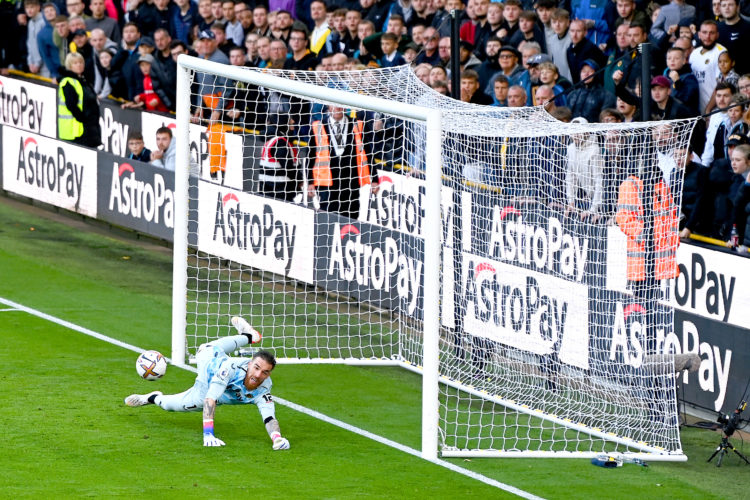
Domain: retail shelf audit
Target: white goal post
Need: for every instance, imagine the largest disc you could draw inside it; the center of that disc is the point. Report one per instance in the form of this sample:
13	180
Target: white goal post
495	258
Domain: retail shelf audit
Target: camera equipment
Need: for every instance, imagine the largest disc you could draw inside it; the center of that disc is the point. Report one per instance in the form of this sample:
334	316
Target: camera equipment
729	425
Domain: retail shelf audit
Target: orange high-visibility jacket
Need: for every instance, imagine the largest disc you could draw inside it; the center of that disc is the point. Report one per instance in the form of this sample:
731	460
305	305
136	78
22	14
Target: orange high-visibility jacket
321	171
666	229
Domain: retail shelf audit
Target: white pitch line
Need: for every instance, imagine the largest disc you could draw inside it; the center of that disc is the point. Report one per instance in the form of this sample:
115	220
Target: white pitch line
8	310
289	404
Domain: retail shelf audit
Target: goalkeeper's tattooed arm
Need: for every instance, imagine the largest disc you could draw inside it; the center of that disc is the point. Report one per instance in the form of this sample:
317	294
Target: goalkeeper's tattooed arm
274	432
209	408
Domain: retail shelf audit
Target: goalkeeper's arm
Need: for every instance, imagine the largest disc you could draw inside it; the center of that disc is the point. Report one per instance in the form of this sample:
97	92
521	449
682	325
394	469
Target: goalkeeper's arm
274	432
209	408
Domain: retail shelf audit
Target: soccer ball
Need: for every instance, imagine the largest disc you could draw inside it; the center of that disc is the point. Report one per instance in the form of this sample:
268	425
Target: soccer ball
151	365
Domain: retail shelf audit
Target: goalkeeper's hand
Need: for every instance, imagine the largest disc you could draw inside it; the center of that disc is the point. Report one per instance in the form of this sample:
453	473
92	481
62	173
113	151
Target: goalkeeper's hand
211	440
280	443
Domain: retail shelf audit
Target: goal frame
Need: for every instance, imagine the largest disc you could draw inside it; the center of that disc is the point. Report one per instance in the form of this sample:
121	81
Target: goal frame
431	325
430	117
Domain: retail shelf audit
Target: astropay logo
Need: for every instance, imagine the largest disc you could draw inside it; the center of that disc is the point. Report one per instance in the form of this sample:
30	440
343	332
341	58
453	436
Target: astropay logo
254	228
151	201
49	169
378	265
22	109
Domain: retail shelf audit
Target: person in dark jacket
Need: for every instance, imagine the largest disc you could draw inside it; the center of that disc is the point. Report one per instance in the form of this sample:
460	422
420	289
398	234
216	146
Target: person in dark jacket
581	49
665	106
684	83
590	97
78	111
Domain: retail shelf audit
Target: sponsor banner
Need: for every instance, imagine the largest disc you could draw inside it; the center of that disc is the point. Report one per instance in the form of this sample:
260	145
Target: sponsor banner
536	312
375	265
710	282
116	123
136	195
721	379
199	147
28	106
260	232
51	171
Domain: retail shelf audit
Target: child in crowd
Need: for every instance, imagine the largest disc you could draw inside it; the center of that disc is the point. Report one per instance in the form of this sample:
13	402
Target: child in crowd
138	151
391	56
726	69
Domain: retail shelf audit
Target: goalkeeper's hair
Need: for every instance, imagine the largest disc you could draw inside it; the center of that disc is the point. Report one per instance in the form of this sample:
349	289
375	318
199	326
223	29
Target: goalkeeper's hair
266	356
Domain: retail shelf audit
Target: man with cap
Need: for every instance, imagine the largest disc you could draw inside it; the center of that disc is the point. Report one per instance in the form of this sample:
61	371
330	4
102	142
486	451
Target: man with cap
529	79
83	47
509	58
666	107
153	97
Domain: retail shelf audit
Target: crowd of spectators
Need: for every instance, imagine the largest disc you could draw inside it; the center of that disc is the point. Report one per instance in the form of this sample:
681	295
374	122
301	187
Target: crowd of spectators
577	58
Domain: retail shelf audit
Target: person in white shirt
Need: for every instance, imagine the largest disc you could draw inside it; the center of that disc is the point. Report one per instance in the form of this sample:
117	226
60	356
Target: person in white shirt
584	175
704	61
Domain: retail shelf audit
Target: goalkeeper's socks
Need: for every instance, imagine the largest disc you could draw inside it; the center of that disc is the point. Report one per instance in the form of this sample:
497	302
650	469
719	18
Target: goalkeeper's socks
152	398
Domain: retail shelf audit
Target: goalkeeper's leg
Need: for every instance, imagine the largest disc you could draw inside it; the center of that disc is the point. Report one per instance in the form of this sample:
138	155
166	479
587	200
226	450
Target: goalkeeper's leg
248	335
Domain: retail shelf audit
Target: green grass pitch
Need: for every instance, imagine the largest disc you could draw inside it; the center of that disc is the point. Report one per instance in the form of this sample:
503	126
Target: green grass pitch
67	433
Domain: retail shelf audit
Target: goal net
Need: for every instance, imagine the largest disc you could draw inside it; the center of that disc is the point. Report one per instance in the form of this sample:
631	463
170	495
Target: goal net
523	263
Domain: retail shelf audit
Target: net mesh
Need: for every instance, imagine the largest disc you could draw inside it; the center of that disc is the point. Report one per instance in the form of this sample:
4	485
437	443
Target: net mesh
557	241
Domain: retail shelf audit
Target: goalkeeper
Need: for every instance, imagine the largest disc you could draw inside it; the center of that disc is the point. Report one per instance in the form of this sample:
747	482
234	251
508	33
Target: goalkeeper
225	380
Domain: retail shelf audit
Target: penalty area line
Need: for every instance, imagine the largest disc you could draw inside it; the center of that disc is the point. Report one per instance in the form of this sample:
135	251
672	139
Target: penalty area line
294	406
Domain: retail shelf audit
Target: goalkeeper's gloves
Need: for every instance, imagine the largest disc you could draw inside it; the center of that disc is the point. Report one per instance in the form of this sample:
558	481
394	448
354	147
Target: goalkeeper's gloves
208	434
279	443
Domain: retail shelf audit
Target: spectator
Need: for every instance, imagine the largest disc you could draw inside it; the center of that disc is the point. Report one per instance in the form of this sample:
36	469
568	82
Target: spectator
76	8
126	60
429	52
718	191
320	29
580	49
278	53
741	200
467	59
222	42
103	84
154	96
666	24
528	30
164	156
684	83
627	104
205	18
209	86
340	164
630	75
232	25
590	97
743	85
251	50
391	56
301	57
544	9
508	57
100	20
726	69
349	38
511	15
516	97
629	14
491	65
62	37
78	112
82	46
282	26
34	25
666	107
261	25
733	124
151	16
138	151
558	43
695	177
584	175
244	17
548	75
501	84
593	14
704	61
263	45
184	19
734	34
45	40
723	96
470	91
280	175
545	96
617	53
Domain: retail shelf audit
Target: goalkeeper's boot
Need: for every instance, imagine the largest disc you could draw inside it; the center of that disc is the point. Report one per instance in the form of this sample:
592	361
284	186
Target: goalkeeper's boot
244	328
141	399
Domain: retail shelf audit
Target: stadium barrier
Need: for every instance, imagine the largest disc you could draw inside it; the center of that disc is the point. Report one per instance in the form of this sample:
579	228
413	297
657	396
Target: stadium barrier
712	313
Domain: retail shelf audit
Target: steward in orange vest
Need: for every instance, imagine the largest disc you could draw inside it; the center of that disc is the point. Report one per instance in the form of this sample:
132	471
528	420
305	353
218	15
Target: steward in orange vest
630	218
340	165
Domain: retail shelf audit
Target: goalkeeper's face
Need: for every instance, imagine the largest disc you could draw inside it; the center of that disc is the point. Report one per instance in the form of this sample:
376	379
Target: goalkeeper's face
257	372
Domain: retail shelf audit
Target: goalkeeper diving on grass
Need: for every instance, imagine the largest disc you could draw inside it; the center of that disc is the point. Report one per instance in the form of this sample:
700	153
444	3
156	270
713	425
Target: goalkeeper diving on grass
225	380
